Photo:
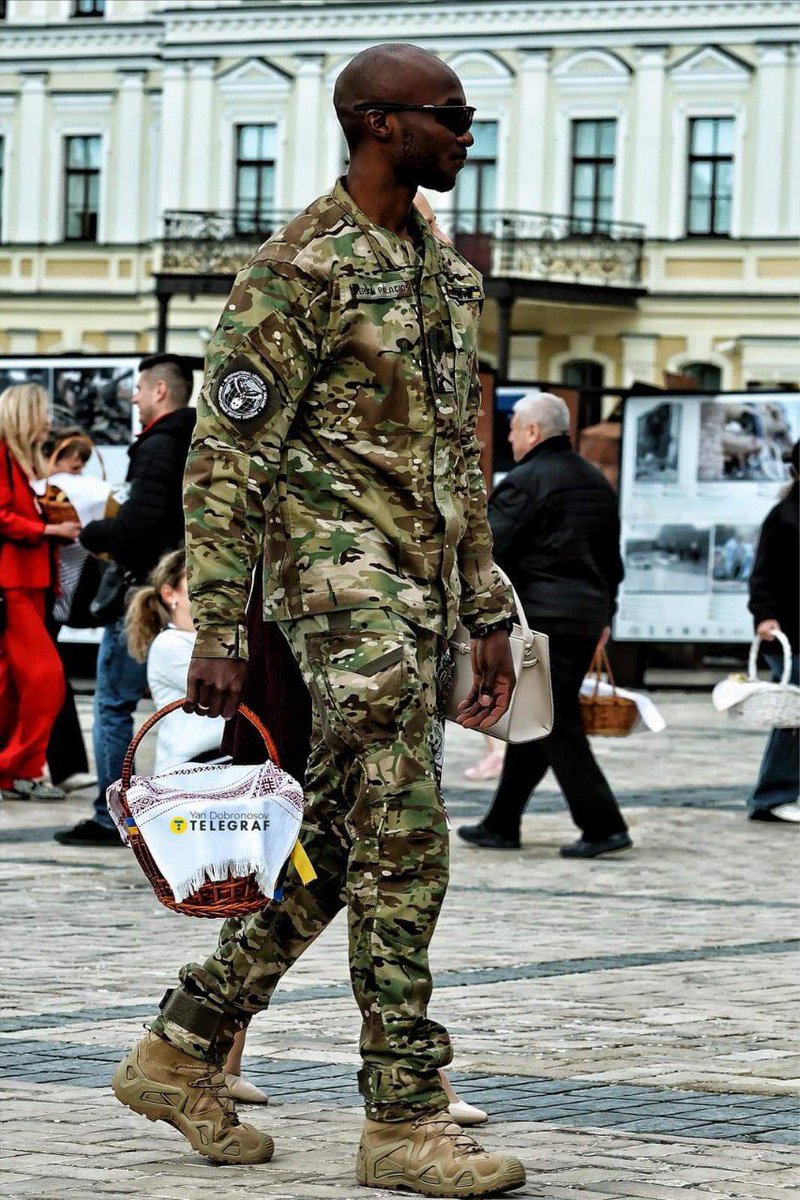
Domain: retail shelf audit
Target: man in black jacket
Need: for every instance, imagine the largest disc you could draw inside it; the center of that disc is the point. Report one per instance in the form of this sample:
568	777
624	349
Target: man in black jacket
148	524
556	533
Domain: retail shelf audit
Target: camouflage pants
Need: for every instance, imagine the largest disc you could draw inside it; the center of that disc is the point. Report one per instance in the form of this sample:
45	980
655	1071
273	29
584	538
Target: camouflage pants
376	833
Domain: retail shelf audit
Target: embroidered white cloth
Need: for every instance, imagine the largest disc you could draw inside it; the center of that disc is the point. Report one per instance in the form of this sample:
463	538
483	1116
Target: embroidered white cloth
202	821
649	720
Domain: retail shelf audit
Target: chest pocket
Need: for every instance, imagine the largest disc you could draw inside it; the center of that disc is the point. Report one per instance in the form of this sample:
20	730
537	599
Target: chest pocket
375	344
464	303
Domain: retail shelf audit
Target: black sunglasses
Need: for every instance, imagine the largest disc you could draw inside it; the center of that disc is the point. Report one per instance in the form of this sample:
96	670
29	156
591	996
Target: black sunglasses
455	117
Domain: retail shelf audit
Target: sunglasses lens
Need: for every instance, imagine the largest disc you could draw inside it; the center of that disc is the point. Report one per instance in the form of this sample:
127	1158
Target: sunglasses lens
457	120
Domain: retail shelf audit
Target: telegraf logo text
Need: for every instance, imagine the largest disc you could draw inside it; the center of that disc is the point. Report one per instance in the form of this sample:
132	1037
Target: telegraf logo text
220	821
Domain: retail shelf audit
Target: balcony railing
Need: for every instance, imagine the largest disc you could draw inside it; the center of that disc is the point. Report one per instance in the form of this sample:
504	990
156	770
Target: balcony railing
512	245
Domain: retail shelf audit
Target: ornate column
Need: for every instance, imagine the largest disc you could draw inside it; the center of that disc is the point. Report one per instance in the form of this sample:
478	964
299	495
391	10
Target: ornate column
532	128
31	150
770	155
202	137
306	131
645	171
128	174
172	160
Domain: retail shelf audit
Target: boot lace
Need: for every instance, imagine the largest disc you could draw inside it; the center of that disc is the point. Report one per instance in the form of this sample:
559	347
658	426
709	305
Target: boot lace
443	1125
216	1086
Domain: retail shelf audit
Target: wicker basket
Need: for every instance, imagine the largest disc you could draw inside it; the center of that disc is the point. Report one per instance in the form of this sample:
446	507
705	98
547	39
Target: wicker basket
607	716
227	898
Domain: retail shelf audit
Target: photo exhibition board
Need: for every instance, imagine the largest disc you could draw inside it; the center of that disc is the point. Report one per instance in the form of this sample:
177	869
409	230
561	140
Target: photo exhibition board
699	475
91	392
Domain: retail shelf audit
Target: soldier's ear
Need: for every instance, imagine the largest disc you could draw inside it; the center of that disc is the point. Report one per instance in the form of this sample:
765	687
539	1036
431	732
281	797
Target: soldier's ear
377	122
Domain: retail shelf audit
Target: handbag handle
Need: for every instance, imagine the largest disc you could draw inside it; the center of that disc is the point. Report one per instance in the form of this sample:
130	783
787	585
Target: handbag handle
521	618
752	668
127	764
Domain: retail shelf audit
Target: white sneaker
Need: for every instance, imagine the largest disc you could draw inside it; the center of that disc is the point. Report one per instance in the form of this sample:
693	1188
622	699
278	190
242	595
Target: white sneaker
244	1091
81	779
787	812
466	1114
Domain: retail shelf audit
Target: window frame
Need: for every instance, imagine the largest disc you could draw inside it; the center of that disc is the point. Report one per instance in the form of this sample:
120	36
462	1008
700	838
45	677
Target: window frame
86	173
595	161
239	162
98	10
583	362
479	163
699	362
714	160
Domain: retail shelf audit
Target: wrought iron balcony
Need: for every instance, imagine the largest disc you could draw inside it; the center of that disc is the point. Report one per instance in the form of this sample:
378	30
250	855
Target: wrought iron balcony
538	247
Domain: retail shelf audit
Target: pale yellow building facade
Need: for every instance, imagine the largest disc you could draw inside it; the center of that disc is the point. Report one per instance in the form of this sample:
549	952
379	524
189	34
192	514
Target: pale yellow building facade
634	199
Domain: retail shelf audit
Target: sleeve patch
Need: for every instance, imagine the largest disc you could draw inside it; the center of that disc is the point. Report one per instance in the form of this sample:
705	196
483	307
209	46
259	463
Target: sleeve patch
242	394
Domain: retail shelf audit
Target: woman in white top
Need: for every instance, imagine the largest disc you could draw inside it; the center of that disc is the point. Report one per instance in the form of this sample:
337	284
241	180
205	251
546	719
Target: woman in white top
159	629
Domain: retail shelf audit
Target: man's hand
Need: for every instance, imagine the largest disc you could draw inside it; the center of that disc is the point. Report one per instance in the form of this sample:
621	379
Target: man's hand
493	682
767	629
214	687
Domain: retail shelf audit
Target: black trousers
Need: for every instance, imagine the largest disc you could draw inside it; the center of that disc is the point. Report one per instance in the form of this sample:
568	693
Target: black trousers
591	801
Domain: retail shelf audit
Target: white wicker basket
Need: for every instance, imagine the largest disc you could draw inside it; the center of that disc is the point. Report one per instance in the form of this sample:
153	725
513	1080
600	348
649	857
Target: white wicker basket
757	703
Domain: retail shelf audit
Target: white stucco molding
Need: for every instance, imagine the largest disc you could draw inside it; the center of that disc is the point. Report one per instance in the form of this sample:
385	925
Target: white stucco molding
677	362
710	67
254	75
481	69
592	69
558	361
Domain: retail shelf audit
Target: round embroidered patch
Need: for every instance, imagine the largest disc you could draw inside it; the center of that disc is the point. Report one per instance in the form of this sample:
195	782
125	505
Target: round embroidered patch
242	395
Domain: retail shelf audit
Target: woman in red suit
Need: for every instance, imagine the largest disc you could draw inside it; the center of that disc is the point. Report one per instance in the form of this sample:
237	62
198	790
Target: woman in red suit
31	675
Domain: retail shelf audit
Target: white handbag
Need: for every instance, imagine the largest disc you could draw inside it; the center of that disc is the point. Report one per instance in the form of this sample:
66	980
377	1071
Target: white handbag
757	703
530	713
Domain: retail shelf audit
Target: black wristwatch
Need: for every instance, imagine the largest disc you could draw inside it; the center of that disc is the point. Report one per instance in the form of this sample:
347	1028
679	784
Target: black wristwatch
504	624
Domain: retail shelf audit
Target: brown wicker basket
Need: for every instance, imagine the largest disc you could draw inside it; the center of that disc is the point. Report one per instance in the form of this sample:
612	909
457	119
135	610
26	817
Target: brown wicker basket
227	898
607	716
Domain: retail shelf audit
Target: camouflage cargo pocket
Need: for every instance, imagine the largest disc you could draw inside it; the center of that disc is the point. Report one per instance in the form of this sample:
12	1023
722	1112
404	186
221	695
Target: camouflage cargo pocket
360	675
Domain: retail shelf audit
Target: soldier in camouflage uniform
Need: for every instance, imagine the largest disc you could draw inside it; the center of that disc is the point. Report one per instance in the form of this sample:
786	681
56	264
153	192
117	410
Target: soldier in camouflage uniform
336	427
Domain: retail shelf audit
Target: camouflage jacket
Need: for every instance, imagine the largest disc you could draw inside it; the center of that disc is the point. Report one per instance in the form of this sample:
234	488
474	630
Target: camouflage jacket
336	425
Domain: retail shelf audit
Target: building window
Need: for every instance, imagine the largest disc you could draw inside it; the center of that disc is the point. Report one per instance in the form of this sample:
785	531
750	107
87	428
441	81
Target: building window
2	10
707	376
592	186
582	374
81	189
710	176
89	8
476	188
255	177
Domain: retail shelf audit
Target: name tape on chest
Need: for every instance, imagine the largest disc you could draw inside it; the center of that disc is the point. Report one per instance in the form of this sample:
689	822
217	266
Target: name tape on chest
382	291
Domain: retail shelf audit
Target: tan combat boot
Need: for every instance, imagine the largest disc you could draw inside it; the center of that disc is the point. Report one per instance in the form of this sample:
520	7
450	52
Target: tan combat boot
164	1084
433	1156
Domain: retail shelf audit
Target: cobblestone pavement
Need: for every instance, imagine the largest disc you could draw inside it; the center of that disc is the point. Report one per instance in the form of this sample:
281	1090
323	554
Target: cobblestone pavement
626	1022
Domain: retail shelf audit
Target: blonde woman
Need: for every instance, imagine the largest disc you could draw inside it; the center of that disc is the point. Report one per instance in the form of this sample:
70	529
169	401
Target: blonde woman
31	675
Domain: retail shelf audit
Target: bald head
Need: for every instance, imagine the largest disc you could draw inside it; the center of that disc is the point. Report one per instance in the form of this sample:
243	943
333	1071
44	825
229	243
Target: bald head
394	73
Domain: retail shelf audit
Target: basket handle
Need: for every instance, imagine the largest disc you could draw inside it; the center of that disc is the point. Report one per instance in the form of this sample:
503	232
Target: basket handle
600	662
752	663
127	764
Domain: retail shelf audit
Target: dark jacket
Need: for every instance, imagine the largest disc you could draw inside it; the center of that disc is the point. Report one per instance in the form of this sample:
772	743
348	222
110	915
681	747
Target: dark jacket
775	577
150	522
556	534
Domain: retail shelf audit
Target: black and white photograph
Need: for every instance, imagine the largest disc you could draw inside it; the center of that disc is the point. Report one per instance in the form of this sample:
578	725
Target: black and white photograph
746	440
96	398
657	443
667	558
734	548
11	375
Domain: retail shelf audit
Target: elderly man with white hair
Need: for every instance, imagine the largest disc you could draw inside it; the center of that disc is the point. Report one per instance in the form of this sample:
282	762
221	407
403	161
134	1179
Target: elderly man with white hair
556	533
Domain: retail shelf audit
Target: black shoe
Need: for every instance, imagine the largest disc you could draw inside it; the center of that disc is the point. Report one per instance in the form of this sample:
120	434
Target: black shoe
89	833
479	835
584	849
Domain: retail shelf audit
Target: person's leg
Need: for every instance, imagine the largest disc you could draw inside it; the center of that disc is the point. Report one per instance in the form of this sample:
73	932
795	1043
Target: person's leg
779	776
586	791
121	683
524	768
37	676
